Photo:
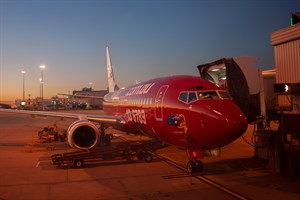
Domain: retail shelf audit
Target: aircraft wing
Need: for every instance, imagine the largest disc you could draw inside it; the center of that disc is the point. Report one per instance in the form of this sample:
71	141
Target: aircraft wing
114	120
81	96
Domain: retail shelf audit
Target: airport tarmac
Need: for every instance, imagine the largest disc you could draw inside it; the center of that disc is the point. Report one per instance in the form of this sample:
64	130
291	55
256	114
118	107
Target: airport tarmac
31	175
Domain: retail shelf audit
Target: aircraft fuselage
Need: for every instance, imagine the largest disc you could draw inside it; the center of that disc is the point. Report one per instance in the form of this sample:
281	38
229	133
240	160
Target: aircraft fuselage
185	111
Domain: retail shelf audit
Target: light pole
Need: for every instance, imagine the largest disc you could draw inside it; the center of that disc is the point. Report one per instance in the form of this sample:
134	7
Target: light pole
40	79
42	67
23	74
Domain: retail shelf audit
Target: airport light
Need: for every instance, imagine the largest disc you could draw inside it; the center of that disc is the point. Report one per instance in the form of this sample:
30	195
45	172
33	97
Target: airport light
42	67
23	74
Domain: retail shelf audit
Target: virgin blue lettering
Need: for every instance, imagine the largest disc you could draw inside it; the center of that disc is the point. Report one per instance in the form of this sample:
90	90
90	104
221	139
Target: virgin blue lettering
141	89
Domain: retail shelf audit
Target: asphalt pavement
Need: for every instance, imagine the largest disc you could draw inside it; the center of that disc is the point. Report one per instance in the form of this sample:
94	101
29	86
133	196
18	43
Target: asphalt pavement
26	170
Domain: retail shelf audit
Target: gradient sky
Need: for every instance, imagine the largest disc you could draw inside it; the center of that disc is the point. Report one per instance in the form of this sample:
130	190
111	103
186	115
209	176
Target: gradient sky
147	39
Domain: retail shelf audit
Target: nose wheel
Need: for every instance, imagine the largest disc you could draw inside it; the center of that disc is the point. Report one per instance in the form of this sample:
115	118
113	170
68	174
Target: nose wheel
195	166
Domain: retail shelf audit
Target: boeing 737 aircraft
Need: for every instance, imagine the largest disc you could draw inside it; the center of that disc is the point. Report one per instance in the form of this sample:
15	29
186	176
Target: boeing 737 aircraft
185	111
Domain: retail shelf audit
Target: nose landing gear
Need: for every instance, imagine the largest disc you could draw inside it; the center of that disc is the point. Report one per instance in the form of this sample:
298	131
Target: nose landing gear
195	166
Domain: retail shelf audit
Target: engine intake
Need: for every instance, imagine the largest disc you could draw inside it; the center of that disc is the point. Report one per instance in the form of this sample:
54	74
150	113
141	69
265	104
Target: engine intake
83	134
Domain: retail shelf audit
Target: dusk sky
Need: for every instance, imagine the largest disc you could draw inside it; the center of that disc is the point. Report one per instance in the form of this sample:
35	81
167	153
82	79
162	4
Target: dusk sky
147	39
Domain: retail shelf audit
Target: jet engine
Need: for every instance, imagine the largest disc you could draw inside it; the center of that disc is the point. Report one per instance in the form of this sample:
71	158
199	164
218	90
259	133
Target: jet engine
83	134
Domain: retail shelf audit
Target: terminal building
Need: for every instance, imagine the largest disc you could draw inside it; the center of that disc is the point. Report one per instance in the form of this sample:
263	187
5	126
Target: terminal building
79	99
286	43
95	102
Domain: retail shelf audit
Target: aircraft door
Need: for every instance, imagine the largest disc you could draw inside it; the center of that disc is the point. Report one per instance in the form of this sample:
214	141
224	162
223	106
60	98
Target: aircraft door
159	101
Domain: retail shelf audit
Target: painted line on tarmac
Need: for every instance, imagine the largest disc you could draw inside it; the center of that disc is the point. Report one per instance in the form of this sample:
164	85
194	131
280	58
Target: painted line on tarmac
204	179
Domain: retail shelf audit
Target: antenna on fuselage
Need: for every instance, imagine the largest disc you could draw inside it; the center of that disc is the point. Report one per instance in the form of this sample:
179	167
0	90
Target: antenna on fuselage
112	86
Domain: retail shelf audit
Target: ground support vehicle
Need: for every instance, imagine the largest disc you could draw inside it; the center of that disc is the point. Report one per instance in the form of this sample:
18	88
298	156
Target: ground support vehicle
51	133
105	153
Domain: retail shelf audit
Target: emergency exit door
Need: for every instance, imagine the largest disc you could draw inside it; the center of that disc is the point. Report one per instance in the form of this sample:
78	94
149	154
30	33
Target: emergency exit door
159	102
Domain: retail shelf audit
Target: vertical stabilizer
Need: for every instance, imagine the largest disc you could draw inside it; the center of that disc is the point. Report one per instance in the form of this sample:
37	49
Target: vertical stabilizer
112	86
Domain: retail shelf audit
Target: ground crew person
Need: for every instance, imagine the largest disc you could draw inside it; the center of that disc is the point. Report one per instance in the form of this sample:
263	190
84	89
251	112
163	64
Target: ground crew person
55	131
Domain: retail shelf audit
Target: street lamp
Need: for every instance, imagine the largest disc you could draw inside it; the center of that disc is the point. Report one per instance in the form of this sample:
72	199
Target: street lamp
42	67
40	79
23	74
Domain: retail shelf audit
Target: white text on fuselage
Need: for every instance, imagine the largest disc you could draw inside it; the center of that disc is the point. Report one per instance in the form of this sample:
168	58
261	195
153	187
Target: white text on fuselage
141	89
136	115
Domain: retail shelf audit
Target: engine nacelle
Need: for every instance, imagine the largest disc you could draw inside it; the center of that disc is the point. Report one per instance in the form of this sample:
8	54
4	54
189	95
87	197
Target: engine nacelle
83	134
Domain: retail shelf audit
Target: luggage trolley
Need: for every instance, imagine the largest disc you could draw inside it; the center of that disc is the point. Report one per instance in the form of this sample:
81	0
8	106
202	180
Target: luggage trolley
79	158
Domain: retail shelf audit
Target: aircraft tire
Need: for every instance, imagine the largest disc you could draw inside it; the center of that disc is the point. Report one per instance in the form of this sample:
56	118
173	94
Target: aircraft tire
78	163
195	166
190	167
199	166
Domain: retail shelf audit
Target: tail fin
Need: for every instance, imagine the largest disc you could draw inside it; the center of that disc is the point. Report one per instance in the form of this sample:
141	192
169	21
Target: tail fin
112	86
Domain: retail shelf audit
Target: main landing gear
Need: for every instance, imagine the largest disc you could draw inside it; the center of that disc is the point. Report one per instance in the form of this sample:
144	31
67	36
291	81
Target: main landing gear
194	166
105	138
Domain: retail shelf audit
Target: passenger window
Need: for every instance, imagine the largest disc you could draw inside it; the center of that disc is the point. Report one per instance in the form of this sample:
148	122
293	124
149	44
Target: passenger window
192	97
183	97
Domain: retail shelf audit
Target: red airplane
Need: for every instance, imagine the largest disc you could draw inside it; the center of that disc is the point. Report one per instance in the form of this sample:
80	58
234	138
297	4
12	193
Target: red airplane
186	111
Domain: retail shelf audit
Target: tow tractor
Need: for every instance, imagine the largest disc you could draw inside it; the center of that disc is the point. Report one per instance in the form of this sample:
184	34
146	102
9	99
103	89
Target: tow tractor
50	133
105	153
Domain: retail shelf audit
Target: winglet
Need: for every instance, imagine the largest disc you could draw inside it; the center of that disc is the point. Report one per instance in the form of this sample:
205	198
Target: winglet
112	86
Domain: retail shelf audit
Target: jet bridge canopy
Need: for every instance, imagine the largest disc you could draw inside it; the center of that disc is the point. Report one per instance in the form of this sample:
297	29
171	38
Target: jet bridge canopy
240	78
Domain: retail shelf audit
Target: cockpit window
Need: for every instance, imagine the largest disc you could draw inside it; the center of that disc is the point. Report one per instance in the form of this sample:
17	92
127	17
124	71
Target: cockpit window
188	97
192	97
224	95
183	97
208	95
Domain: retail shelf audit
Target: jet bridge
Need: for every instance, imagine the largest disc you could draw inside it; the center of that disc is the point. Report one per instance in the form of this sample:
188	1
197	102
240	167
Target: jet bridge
244	82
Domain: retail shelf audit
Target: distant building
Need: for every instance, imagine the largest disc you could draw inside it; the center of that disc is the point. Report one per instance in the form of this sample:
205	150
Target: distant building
89	103
65	103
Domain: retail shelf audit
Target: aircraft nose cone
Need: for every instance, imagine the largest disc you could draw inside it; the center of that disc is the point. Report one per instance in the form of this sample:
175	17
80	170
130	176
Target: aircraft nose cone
237	124
221	123
231	124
